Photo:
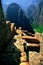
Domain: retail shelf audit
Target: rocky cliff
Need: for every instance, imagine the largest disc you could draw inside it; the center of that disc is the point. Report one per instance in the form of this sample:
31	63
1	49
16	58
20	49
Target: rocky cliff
35	14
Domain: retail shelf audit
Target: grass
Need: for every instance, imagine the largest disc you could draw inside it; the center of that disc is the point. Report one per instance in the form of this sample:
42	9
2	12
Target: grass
39	29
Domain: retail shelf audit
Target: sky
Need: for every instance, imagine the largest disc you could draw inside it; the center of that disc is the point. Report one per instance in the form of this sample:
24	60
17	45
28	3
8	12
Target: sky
24	4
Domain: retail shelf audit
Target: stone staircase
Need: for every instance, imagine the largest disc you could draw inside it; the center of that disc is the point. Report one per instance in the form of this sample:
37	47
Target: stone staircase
31	44
25	43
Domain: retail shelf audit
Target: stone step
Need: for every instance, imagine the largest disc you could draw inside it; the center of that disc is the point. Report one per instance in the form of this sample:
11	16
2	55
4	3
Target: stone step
23	58
25	63
23	54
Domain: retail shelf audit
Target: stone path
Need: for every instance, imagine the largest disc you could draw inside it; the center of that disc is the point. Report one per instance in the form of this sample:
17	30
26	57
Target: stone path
37	58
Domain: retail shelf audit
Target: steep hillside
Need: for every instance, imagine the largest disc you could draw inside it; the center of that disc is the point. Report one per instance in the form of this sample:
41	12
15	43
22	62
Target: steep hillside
35	15
1	14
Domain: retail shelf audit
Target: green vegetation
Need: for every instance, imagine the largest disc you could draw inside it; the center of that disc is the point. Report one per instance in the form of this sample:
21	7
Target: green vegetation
1	15
37	28
9	54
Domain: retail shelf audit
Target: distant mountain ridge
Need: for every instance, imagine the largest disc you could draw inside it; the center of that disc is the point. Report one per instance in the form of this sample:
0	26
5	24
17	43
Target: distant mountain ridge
35	14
